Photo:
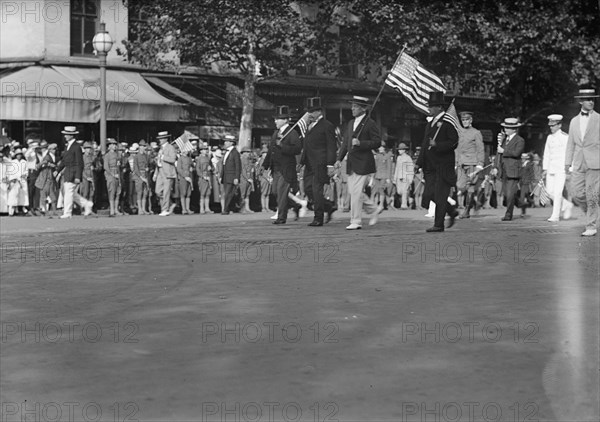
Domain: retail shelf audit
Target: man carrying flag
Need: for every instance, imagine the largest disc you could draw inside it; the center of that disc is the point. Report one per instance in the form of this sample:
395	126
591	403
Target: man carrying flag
437	161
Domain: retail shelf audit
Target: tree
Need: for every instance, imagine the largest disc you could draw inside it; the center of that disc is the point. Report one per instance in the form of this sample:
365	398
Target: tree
533	52
255	39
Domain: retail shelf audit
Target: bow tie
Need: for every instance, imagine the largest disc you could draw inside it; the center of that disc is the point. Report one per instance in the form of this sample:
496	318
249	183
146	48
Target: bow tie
583	113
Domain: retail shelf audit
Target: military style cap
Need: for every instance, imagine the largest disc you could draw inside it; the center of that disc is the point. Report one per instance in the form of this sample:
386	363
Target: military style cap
554	119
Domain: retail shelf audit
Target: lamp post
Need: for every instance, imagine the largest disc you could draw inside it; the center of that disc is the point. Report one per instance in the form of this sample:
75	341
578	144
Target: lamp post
102	43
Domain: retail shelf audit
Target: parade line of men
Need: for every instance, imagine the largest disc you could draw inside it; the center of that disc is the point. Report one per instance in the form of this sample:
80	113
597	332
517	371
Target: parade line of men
322	169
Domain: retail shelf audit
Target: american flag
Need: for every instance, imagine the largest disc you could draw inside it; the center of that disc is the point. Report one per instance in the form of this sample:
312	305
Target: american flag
414	81
184	144
451	117
303	124
544	195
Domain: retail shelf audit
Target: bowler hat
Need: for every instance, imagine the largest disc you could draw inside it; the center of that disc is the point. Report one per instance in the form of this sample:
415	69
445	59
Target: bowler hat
70	130
313	104
585	93
436	98
282	112
511	123
361	101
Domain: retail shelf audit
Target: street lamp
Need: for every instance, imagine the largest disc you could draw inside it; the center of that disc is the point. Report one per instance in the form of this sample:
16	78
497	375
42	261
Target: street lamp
102	43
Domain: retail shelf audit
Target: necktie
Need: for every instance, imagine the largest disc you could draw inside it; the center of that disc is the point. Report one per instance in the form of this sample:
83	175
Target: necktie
584	114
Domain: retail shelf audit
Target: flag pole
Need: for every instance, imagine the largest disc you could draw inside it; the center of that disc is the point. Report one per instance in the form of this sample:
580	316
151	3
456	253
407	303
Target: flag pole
379	93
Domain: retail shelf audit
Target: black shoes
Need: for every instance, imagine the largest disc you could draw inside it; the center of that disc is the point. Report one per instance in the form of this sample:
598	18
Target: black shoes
329	213
278	221
434	229
507	218
316	223
453	216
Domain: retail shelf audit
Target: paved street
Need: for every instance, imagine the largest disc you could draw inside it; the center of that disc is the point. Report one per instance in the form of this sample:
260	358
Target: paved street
232	318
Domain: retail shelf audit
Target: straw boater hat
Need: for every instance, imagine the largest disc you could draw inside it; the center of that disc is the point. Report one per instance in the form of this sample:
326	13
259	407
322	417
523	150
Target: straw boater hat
230	138
361	101
70	130
554	119
511	123
163	135
586	93
134	147
34	144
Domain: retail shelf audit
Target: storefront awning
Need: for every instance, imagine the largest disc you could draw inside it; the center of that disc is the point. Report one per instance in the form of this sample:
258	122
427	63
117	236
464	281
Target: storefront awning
70	94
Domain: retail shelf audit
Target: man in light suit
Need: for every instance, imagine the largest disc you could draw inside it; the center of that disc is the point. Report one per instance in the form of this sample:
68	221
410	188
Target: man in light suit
230	171
72	163
318	158
360	137
511	146
583	157
166	173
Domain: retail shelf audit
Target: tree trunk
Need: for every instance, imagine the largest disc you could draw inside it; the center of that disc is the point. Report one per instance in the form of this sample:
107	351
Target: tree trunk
245	139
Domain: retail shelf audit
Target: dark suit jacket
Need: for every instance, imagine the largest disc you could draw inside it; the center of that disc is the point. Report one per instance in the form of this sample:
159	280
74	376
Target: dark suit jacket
511	157
72	162
527	173
282	157
232	169
320	145
360	157
440	158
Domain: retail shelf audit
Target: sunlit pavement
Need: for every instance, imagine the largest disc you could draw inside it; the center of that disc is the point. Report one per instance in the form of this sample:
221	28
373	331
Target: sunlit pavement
232	318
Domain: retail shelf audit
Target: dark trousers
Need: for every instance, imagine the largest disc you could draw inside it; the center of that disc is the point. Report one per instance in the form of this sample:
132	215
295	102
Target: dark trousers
510	193
437	189
281	188
313	187
229	194
33	192
525	198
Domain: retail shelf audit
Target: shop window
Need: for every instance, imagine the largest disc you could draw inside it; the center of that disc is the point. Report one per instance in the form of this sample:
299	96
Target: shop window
84	25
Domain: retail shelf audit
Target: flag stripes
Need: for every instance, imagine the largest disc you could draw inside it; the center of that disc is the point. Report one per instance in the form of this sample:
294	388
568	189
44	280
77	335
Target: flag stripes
184	144
303	124
452	117
414	81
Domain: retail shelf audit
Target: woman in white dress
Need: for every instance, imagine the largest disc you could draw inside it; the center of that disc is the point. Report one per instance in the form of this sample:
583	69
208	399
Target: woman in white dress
4	160
18	195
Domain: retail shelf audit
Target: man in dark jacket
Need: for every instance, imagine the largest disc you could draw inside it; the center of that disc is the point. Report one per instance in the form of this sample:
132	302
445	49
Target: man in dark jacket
72	163
511	146
281	159
437	161
318	157
360	138
231	171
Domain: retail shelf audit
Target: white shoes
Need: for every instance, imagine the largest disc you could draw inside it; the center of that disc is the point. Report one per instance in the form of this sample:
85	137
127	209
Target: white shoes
164	214
568	211
589	232
553	220
429	215
375	216
88	209
304	209
274	217
354	227
65	216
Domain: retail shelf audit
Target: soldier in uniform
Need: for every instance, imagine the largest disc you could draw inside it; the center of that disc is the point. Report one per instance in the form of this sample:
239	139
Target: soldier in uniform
469	162
264	179
403	174
204	173
88	186
246	180
166	173
112	174
139	174
184	173
382	180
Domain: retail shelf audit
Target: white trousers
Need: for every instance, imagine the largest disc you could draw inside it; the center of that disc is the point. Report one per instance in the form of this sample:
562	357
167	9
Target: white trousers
71	196
358	199
555	182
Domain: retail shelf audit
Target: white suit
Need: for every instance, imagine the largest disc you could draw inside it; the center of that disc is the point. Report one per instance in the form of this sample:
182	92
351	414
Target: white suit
553	164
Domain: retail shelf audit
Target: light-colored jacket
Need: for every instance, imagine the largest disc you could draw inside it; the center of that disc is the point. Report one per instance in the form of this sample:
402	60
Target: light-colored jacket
167	159
470	149
555	152
583	150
